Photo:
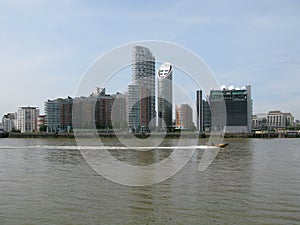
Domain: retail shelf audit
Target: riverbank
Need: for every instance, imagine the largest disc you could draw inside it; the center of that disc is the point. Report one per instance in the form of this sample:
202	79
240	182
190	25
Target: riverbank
40	135
172	135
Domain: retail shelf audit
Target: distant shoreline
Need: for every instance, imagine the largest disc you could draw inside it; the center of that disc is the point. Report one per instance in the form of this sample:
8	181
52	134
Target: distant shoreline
127	135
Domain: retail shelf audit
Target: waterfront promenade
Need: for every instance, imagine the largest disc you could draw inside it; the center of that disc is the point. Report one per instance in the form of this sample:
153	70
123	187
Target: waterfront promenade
110	134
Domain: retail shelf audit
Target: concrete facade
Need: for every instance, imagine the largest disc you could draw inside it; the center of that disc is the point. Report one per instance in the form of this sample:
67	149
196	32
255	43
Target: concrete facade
184	116
27	119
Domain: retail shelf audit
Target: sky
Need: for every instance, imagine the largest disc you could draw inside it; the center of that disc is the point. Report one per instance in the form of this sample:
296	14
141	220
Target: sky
47	46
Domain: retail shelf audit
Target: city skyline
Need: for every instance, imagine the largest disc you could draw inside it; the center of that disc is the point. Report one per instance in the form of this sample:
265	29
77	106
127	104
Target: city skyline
46	51
104	111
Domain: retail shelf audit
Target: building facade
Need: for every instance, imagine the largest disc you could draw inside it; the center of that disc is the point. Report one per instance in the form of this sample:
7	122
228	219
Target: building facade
165	96
41	121
273	120
84	112
277	119
184	116
199	107
100	111
141	93
103	111
27	119
203	113
260	121
52	111
119	111
133	107
231	109
9	122
59	114
289	119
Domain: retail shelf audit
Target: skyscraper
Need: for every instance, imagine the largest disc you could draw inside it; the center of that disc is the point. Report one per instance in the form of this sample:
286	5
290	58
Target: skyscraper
199	107
141	93
164	75
203	113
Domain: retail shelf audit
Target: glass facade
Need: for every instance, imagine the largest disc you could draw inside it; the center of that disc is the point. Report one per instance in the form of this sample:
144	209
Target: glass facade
236	104
165	89
141	93
58	114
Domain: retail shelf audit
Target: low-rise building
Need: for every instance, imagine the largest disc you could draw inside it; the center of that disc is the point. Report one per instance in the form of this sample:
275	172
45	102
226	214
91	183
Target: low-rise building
260	121
289	119
274	119
41	122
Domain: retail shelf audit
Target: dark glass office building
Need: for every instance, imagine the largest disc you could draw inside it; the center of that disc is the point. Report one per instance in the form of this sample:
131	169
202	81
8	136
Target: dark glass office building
231	108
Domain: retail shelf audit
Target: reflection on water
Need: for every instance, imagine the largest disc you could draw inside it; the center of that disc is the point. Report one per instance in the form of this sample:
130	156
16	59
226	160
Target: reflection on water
250	182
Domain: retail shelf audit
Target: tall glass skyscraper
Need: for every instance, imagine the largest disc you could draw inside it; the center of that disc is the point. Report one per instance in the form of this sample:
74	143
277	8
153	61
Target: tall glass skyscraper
141	93
165	89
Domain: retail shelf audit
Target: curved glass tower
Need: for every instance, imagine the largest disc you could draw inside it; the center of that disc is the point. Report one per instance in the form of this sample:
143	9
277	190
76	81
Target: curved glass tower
141	93
165	89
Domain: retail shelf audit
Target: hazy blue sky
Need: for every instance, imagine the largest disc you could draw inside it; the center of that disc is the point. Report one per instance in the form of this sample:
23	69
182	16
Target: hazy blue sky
46	46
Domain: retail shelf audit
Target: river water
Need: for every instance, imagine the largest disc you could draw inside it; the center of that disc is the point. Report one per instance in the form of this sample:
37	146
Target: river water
252	181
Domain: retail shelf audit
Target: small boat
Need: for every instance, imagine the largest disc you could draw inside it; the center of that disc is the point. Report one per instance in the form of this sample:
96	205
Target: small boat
222	145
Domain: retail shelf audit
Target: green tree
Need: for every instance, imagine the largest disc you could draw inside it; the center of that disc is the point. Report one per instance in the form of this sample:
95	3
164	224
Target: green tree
43	128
